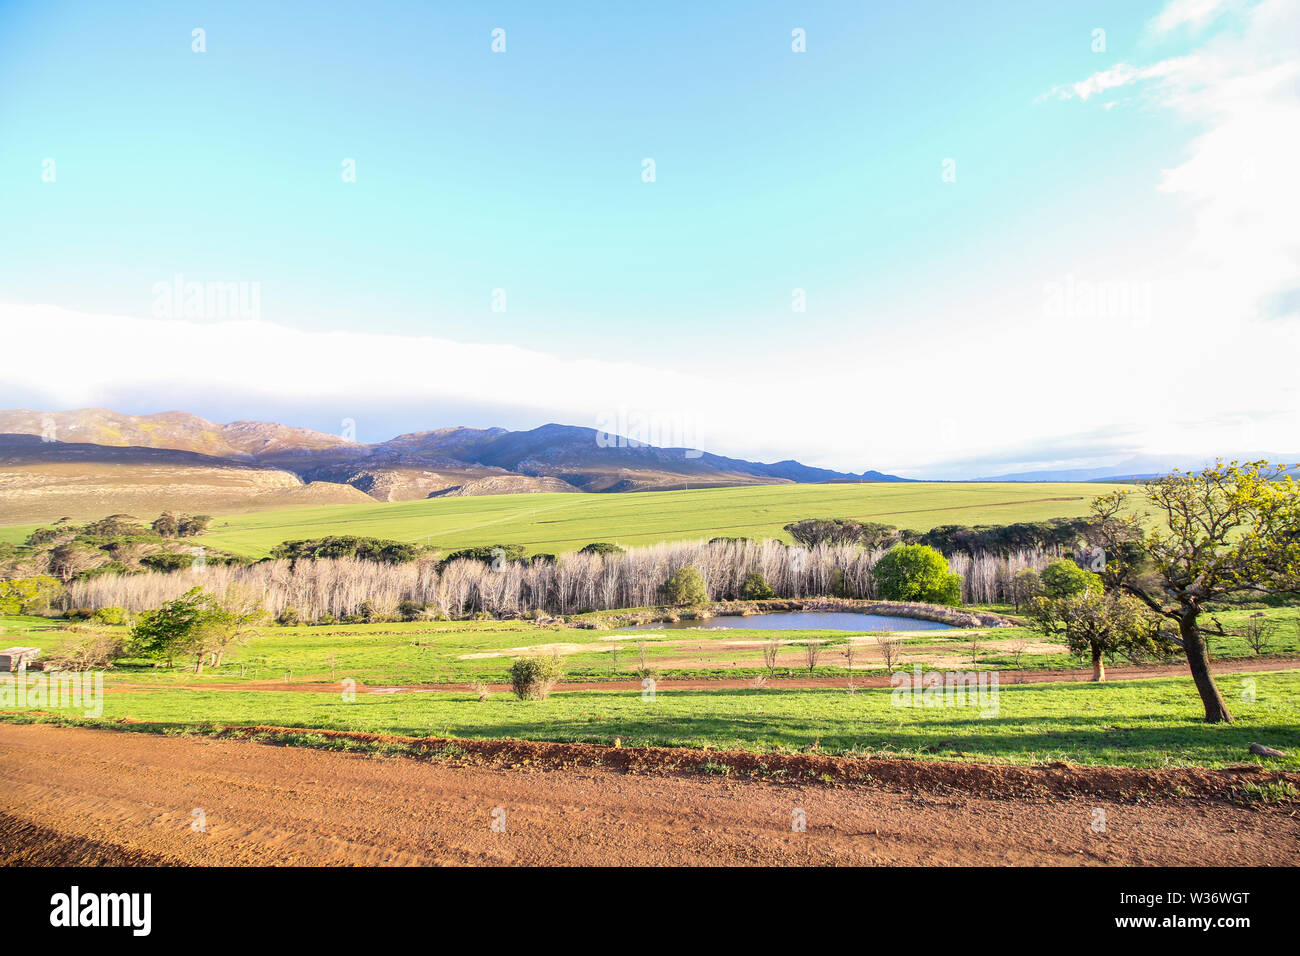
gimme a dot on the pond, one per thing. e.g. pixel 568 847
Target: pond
pixel 805 621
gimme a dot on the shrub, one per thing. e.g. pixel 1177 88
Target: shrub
pixel 1064 578
pixel 533 677
pixel 289 617
pixel 88 648
pixel 840 586
pixel 369 614
pixel 409 610
pixel 916 572
pixel 755 588
pixel 110 615
pixel 686 586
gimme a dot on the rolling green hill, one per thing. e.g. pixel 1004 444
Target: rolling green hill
pixel 565 522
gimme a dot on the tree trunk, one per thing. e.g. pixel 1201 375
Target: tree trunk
pixel 198 664
pixel 1098 665
pixel 1216 710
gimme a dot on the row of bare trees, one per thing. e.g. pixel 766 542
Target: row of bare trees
pixel 576 582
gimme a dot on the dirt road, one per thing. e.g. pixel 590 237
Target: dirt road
pixel 84 796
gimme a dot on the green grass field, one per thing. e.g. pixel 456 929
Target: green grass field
pixel 1148 722
pixel 565 522
pixel 456 652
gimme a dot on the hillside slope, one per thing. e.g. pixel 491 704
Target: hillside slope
pixel 59 449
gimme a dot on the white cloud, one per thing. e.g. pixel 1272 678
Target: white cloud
pixel 1193 13
pixel 1122 74
pixel 999 385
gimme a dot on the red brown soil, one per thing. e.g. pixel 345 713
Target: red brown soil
pixel 1005 677
pixel 77 795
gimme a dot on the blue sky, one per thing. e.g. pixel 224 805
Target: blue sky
pixel 522 171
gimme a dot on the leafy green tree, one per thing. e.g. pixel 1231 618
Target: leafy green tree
pixel 686 586
pixel 755 588
pixel 114 526
pixel 488 554
pixel 197 625
pixel 168 561
pixel 1099 623
pixel 34 595
pixel 916 572
pixel 1025 586
pixel 1227 530
pixel 601 547
pixel 70 560
pixel 350 546
pixel 166 525
pixel 171 630
pixel 814 531
pixel 1064 578
pixel 190 525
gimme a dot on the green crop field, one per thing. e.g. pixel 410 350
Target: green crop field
pixel 564 522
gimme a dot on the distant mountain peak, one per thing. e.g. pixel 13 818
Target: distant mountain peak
pixel 444 460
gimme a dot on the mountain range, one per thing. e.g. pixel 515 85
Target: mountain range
pixel 79 463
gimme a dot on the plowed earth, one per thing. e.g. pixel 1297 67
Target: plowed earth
pixel 72 795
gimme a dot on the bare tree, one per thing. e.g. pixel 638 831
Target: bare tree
pixel 848 663
pixel 770 651
pixel 1258 632
pixel 1018 648
pixel 812 651
pixel 891 649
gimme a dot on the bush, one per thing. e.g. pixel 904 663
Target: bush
pixel 840 586
pixel 88 648
pixel 409 610
pixel 367 613
pixel 1064 578
pixel 755 588
pixel 916 572
pixel 533 677
pixel 288 617
pixel 110 615
pixel 686 586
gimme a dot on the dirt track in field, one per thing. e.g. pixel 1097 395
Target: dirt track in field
pixel 1005 677
pixel 84 796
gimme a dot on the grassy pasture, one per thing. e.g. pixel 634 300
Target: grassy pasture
pixel 1148 722
pixel 454 652
pixel 565 522
pixel 1145 723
